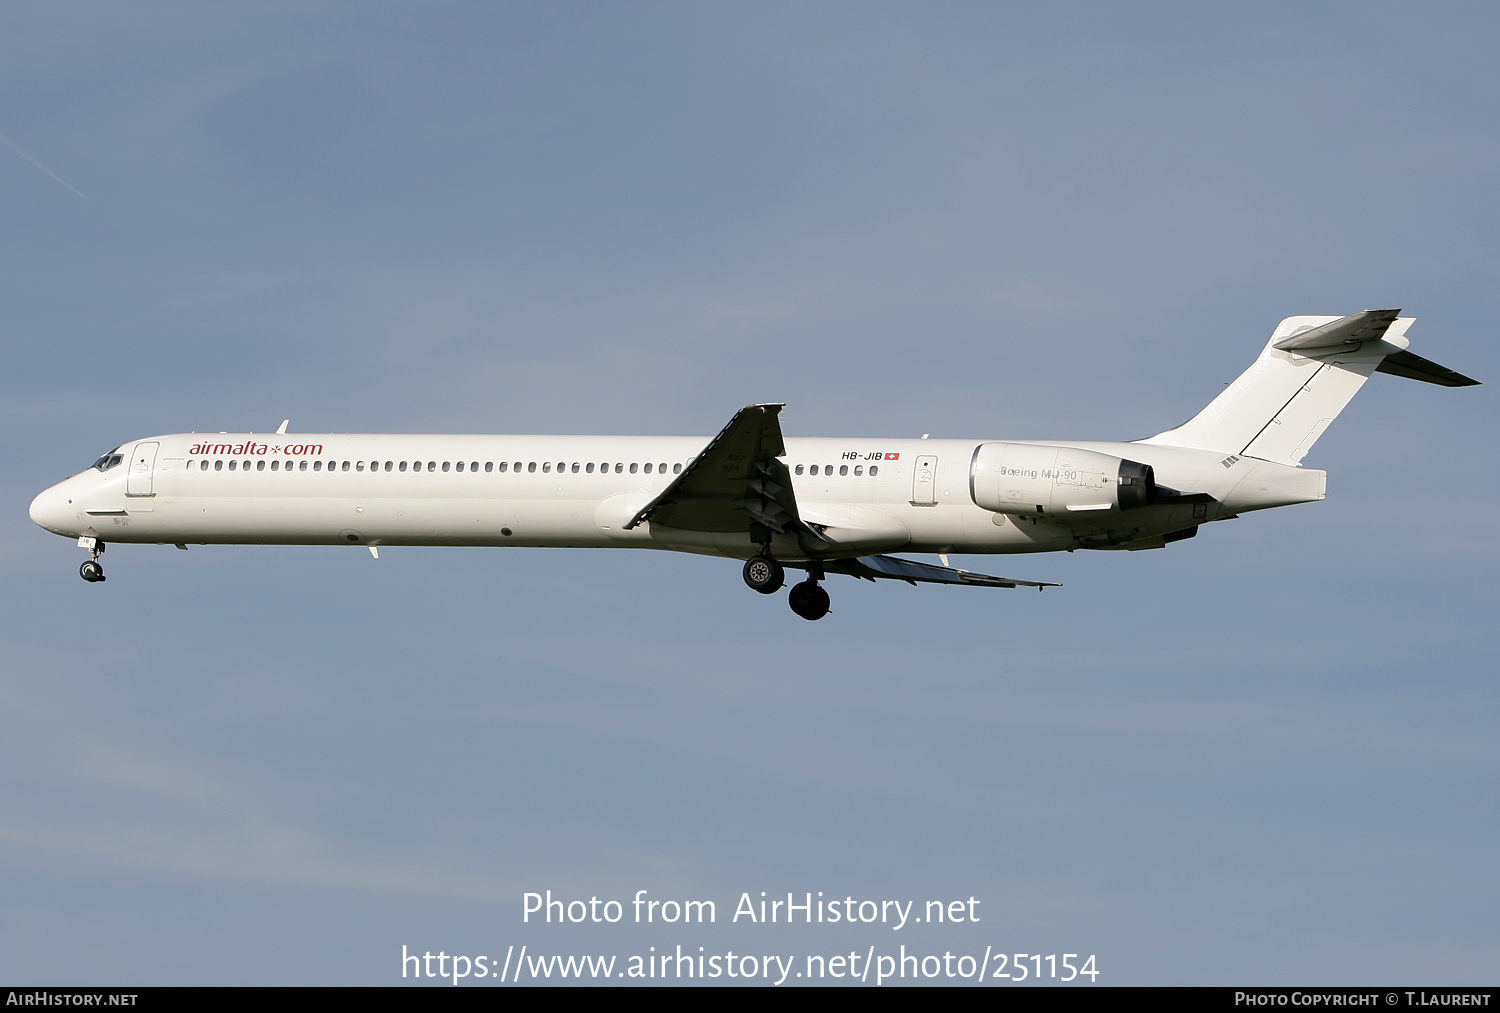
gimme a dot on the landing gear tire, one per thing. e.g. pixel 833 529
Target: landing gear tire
pixel 808 600
pixel 764 574
pixel 91 571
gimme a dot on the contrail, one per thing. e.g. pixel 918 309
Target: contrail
pixel 12 146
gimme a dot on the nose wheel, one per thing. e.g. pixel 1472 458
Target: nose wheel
pixel 91 570
pixel 809 600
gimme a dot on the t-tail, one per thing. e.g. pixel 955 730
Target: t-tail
pixel 1306 374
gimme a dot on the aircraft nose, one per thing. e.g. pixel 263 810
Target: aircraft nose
pixel 42 506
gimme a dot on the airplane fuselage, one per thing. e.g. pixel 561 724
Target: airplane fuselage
pixel 868 495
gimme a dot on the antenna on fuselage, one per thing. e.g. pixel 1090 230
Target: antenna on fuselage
pixel 281 429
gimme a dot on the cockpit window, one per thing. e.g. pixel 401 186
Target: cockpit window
pixel 109 460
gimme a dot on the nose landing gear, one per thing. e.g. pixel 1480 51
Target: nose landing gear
pixel 91 570
pixel 809 600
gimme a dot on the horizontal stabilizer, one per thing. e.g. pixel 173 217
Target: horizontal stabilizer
pixel 1414 367
pixel 1366 325
pixel 893 568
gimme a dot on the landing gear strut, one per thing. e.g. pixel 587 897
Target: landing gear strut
pixel 764 574
pixel 91 571
pixel 808 599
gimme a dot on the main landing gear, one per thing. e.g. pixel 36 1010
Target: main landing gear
pixel 91 570
pixel 764 574
pixel 807 599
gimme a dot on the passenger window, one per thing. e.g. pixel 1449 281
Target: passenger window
pixel 799 469
pixel 562 466
pixel 575 467
pixel 874 470
pixel 489 466
pixel 662 468
pixel 676 469
pixel 302 466
pixel 589 467
pixel 843 469
pixel 460 466
pixel 318 466
pixel 232 464
pixel 546 467
pixel 632 469
pixel 401 466
pixel 473 465
pixel 858 470
pixel 218 466
pixel 260 465
pixel 648 467
pixel 504 465
pixel 374 465
pixel 445 465
pixel 275 465
pixel 619 468
pixel 531 468
pixel 515 467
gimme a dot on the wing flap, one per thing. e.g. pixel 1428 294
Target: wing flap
pixel 913 572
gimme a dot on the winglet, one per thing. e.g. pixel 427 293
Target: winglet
pixel 281 429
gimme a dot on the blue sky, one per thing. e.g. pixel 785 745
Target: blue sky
pixel 1263 755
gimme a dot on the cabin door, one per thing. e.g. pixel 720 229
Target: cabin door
pixel 924 482
pixel 142 464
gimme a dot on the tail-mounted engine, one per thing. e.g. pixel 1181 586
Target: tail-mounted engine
pixel 1024 478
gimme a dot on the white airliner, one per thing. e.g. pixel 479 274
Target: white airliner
pixel 819 505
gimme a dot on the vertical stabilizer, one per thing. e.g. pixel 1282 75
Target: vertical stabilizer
pixel 1308 371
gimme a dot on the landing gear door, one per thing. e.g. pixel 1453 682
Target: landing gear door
pixel 142 464
pixel 924 482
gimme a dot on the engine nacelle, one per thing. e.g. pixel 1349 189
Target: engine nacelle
pixel 1025 478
